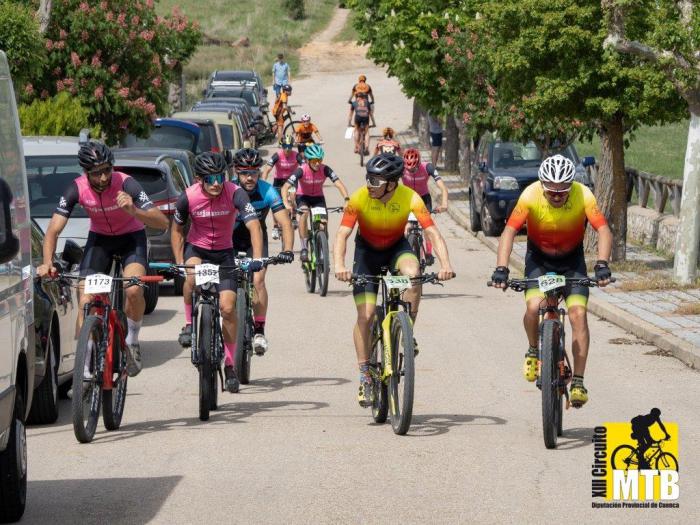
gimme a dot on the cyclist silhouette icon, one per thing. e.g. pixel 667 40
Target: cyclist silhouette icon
pixel 640 432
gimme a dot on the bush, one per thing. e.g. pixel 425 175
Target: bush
pixel 295 8
pixel 21 41
pixel 57 116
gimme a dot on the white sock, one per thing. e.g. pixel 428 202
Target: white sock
pixel 132 338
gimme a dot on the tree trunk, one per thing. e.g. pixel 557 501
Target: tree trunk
pixel 451 144
pixel 611 187
pixel 465 143
pixel 44 15
pixel 415 120
pixel 685 262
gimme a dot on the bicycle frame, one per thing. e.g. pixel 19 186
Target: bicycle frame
pixel 205 294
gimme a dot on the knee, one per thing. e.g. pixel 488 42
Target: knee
pixel 134 293
pixel 578 317
pixel 364 319
pixel 228 310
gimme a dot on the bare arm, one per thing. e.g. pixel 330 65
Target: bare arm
pixel 266 171
pixel 339 249
pixel 605 242
pixel 256 237
pixel 444 193
pixel 341 188
pixel 350 115
pixel 285 222
pixel 153 218
pixel 177 241
pixel 440 246
pixel 505 246
pixel 285 195
pixel 56 225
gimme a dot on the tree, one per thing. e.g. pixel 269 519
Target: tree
pixel 671 47
pixel 21 41
pixel 117 57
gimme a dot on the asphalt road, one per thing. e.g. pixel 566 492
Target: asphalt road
pixel 294 446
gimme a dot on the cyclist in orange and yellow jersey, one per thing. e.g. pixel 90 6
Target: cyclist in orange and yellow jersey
pixel 306 132
pixel 555 210
pixel 388 144
pixel 280 108
pixel 381 209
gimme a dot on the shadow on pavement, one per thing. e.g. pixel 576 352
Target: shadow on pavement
pixel 273 384
pixel 156 353
pixel 339 293
pixel 103 500
pixel 573 438
pixel 426 425
pixel 160 316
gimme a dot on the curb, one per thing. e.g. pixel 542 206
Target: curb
pixel 677 347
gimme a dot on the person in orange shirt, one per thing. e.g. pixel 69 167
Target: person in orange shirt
pixel 306 132
pixel 556 209
pixel 381 210
pixel 388 144
pixel 362 87
pixel 281 108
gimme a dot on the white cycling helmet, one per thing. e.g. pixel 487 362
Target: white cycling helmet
pixel 557 169
pixel 306 117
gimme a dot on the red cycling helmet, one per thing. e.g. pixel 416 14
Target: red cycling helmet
pixel 411 158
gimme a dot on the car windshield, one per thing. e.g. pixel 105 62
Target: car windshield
pixel 47 178
pixel 518 155
pixel 164 137
pixel 151 180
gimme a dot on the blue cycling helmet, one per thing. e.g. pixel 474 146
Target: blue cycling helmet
pixel 314 152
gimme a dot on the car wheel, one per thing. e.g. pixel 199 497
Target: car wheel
pixel 151 294
pixel 491 226
pixel 45 402
pixel 13 466
pixel 474 218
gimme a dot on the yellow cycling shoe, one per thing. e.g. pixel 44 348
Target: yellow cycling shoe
pixel 530 365
pixel 578 395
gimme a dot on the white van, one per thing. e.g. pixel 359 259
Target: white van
pixel 16 307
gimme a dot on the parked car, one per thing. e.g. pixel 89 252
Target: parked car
pixel 163 181
pixel 237 106
pixel 17 333
pixel 183 158
pixel 500 172
pixel 248 95
pixel 238 78
pixel 231 137
pixel 179 134
pixel 56 306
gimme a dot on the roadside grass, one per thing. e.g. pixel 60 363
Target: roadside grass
pixel 265 22
pixel 348 33
pixel 688 309
pixel 659 150
pixel 654 282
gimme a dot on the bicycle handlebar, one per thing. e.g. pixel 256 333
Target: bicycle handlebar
pixel 239 263
pixel 131 281
pixel 428 278
pixel 520 285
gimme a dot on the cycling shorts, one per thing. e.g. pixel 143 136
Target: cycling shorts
pixel 369 261
pixel 361 122
pixel 428 200
pixel 309 201
pixel 99 250
pixel 227 280
pixel 572 265
pixel 244 245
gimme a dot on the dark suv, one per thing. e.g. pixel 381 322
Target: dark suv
pixel 500 172
pixel 173 133
pixel 222 79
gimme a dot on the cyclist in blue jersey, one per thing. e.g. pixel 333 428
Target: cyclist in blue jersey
pixel 264 198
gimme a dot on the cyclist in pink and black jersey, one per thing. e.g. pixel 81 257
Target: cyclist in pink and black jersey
pixel 118 208
pixel 211 206
pixel 285 161
pixel 308 181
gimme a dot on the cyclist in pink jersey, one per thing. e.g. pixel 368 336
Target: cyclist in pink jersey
pixel 285 161
pixel 211 206
pixel 308 181
pixel 118 208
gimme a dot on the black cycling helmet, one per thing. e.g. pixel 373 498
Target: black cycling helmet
pixel 386 165
pixel 93 154
pixel 287 89
pixel 247 158
pixel 209 163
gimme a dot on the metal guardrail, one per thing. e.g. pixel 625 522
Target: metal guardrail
pixel 660 189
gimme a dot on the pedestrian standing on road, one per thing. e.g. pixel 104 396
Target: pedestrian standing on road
pixel 435 130
pixel 280 74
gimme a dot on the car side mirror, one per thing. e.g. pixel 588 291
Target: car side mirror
pixel 9 244
pixel 588 161
pixel 72 253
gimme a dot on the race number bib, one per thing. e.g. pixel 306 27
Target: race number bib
pixel 550 282
pixel 397 282
pixel 98 283
pixel 206 273
pixel 319 212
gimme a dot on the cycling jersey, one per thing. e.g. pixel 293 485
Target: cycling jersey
pixel 106 217
pixel 280 104
pixel 388 146
pixel 556 232
pixel 418 180
pixel 311 182
pixel 212 218
pixel 304 132
pixel 382 224
pixel 264 199
pixel 362 108
pixel 285 164
pixel 361 87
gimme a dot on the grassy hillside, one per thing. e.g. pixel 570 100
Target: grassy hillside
pixel 659 149
pixel 264 22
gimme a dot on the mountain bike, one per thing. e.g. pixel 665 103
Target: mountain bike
pixel 317 268
pixel 393 349
pixel 418 244
pixel 554 369
pixel 626 457
pixel 100 374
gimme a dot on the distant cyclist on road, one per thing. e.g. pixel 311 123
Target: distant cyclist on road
pixel 211 206
pixel 388 144
pixel 264 199
pixel 361 109
pixel 640 431
pixel 556 210
pixel 308 181
pixel 306 132
pixel 362 88
pixel 381 209
pixel 280 109
pixel 118 208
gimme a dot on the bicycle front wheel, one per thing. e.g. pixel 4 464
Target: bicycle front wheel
pixel 380 406
pixel 666 461
pixel 204 345
pixel 244 336
pixel 550 355
pixel 403 373
pixel 310 267
pixel 113 400
pixel 624 458
pixel 87 387
pixel 291 127
pixel 322 262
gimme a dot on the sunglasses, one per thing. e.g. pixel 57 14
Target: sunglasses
pixel 247 173
pixel 214 179
pixel 556 192
pixel 375 182
pixel 100 171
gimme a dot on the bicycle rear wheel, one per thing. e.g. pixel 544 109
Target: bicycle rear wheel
pixel 244 336
pixel 624 458
pixel 401 382
pixel 322 262
pixel 550 355
pixel 87 393
pixel 204 345
pixel 113 400
pixel 380 405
